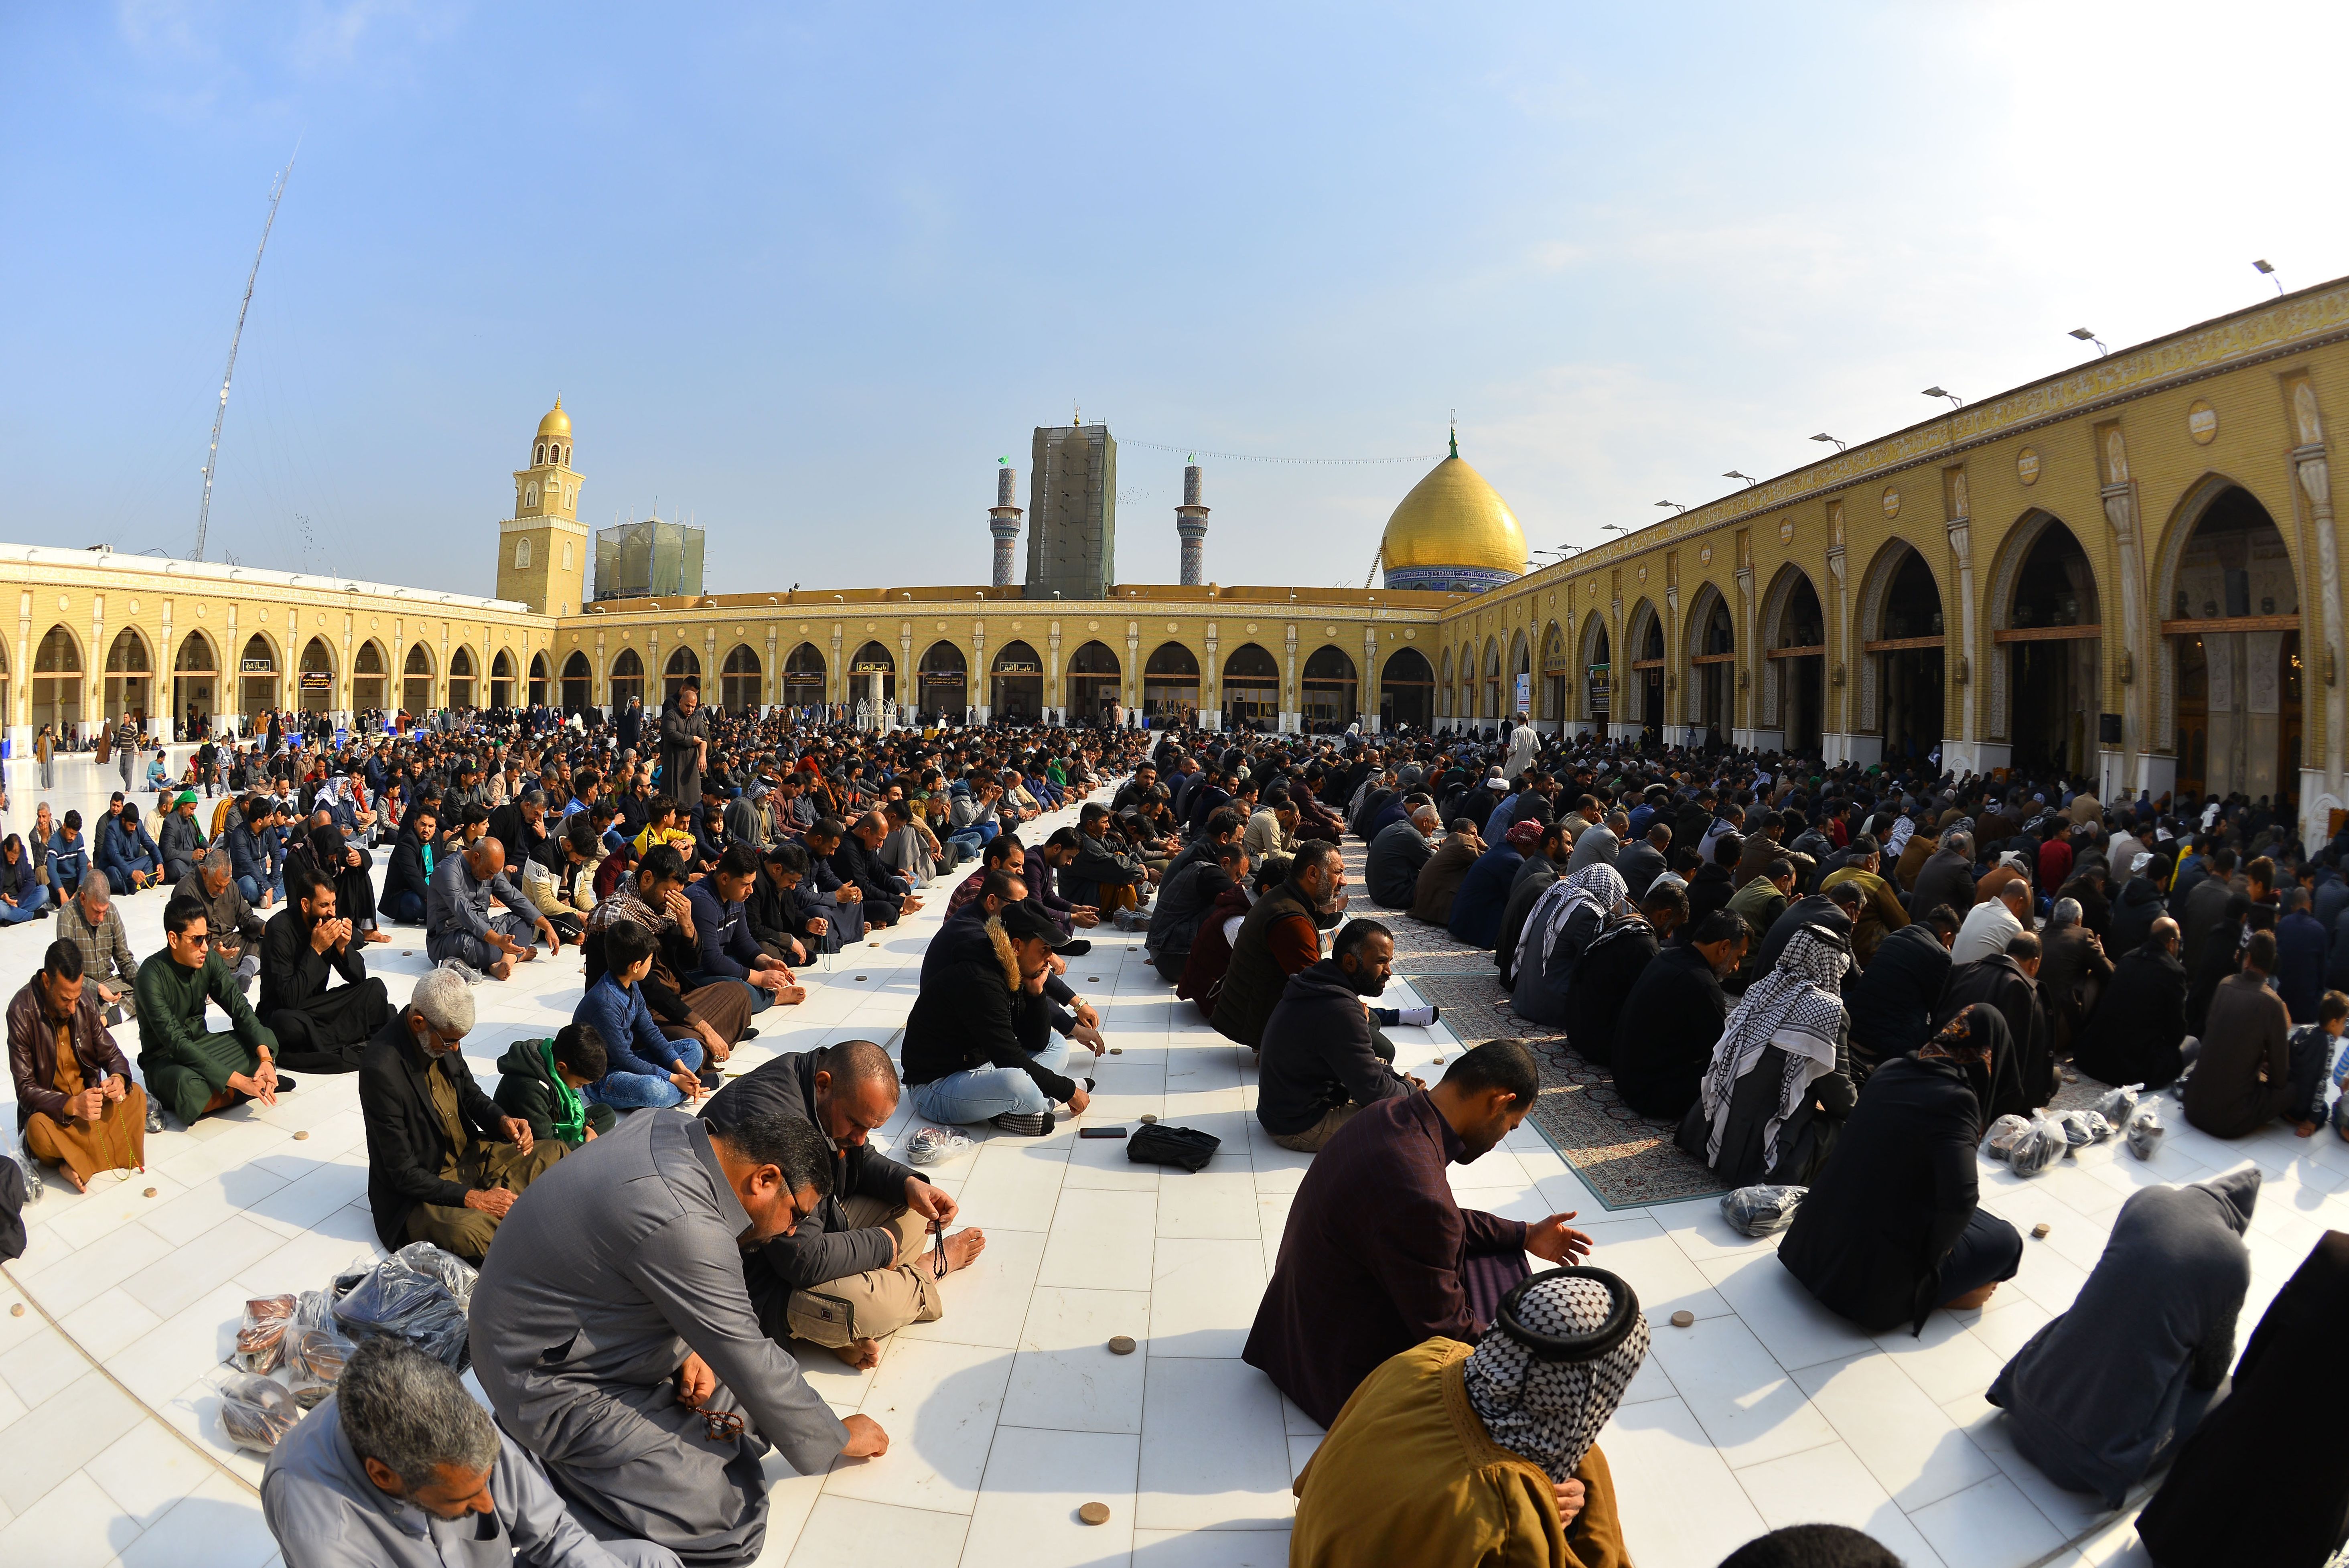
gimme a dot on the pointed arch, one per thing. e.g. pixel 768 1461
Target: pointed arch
pixel 1641 688
pixel 741 680
pixel 683 669
pixel 1327 686
pixel 2046 637
pixel 415 682
pixel 1407 690
pixel 2229 680
pixel 1594 660
pixel 1709 644
pixel 804 677
pixel 1556 674
pixel 536 694
pixel 628 679
pixel 57 681
pixel 1903 658
pixel 578 687
pixel 195 682
pixel 943 683
pixel 1794 657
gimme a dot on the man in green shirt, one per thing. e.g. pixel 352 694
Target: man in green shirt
pixel 1761 901
pixel 191 1072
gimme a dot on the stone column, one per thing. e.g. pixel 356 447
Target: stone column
pixel 2121 769
pixel 1675 670
pixel 1836 746
pixel 2323 673
pixel 1056 711
pixel 836 672
pixel 1291 696
pixel 981 691
pixel 1366 691
pixel 1742 697
pixel 1211 688
pixel 1133 672
pixel 1961 751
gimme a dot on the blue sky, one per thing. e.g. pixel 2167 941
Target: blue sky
pixel 804 273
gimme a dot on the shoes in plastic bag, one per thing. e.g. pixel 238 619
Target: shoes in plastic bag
pixel 2114 1107
pixel 2003 1135
pixel 256 1411
pixel 401 1301
pixel 313 1361
pixel 454 1273
pixel 1761 1210
pixel 937 1145
pixel 2041 1144
pixel 34 1185
pixel 154 1117
pixel 261 1336
pixel 2082 1128
pixel 471 975
pixel 2146 1131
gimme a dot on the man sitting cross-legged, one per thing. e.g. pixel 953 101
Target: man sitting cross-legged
pixel 858 1268
pixel 614 1339
pixel 191 1071
pixel 400 1467
pixel 457 919
pixel 320 1026
pixel 75 1104
pixel 1321 1065
pixel 978 1043
pixel 444 1161
pixel 1378 1255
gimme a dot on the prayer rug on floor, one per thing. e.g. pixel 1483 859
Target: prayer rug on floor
pixel 1626 1160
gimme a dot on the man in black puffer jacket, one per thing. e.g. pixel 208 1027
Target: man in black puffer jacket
pixel 1186 900
pixel 1320 1065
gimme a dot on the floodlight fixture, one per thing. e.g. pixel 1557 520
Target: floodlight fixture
pixel 2084 335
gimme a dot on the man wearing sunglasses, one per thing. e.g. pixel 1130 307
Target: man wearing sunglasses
pixel 191 1071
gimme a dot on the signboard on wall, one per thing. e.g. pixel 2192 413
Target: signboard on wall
pixel 259 667
pixel 1596 679
pixel 1525 693
pixel 317 680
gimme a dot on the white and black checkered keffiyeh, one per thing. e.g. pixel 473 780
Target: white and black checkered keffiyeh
pixel 1799 1007
pixel 1600 888
pixel 1551 1411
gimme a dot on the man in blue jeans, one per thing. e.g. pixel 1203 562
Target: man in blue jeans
pixel 725 949
pixel 643 1067
pixel 978 1043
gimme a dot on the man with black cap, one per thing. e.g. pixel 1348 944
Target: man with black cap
pixel 978 1043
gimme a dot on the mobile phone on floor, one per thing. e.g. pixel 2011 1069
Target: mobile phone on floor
pixel 1100 1133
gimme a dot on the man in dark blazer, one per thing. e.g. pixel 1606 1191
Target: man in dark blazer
pixel 444 1161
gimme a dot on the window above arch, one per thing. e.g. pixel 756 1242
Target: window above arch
pixel 521 555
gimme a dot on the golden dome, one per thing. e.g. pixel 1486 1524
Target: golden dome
pixel 1452 518
pixel 557 423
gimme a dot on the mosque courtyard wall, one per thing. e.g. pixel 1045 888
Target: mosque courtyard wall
pixel 2129 571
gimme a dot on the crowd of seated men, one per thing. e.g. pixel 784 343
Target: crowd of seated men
pixel 1822 976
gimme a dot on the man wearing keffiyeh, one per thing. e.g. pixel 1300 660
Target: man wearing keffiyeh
pixel 1780 1082
pixel 1500 1441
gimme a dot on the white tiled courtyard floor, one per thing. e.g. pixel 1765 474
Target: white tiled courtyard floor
pixel 1010 1412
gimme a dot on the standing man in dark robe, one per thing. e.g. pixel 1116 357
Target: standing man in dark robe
pixel 306 946
pixel 615 1337
pixel 684 748
pixel 1378 1256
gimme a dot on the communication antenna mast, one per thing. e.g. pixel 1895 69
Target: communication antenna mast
pixel 211 453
